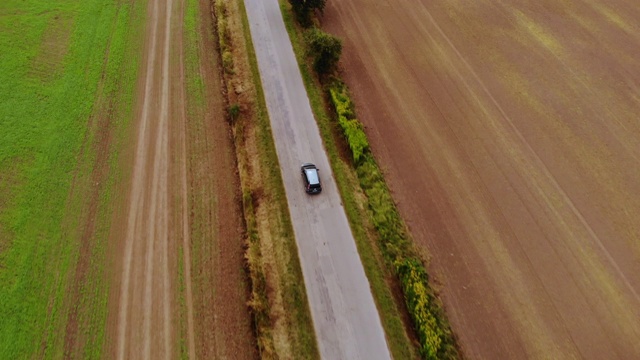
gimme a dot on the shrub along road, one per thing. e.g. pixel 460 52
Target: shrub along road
pixel 509 136
pixel 345 318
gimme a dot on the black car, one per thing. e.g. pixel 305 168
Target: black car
pixel 311 178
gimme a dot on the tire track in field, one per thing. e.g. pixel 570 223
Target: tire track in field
pixel 136 203
pixel 144 312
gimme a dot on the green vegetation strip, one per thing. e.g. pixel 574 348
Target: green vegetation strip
pixel 195 83
pixel 436 340
pixel 57 58
pixel 429 322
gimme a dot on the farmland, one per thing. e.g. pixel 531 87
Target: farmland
pixel 136 220
pixel 142 211
pixel 74 90
pixel 507 132
pixel 64 80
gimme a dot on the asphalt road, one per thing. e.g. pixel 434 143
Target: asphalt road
pixel 344 315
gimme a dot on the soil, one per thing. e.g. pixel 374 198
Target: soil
pixel 508 134
pixel 223 328
pixel 177 240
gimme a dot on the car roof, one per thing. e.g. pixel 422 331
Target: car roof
pixel 312 175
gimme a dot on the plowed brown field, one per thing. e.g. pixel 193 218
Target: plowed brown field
pixel 510 137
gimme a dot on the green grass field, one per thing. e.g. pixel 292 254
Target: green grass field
pixel 61 63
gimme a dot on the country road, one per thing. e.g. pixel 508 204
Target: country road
pixel 345 317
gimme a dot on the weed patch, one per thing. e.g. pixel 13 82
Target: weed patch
pixel 224 36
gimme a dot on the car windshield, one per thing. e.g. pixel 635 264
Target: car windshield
pixel 312 175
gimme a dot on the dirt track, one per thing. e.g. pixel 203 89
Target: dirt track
pixel 510 138
pixel 146 304
pixel 179 287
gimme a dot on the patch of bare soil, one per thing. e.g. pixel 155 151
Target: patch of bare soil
pixel 509 136
pixel 223 326
pixel 53 48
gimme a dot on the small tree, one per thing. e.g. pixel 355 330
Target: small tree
pixel 325 49
pixel 304 8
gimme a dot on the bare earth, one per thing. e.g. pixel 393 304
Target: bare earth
pixel 509 133
pixel 178 286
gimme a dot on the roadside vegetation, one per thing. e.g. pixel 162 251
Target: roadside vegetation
pixel 375 212
pixel 279 306
pixel 323 49
pixel 67 74
pixel 304 10
pixel 434 333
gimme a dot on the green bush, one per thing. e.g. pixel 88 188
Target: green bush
pixel 434 336
pixel 221 9
pixel 223 31
pixel 234 112
pixel 356 138
pixel 341 101
pixel 324 49
pixel 351 127
pixel 303 9
pixel 369 174
pixel 227 62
